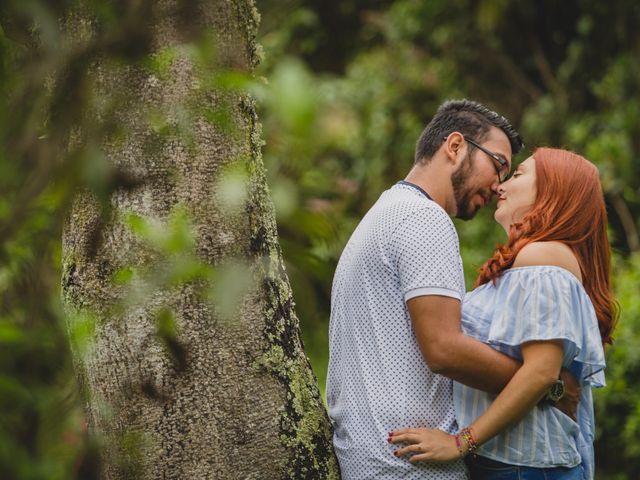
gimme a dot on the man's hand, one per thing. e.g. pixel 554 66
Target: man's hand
pixel 568 404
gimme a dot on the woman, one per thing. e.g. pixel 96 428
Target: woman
pixel 545 298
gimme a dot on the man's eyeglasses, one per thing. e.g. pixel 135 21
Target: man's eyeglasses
pixel 503 170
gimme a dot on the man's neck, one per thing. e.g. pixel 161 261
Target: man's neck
pixel 436 183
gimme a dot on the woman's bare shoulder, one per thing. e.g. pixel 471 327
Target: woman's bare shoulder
pixel 556 254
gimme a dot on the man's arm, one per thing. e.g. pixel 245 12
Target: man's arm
pixel 449 352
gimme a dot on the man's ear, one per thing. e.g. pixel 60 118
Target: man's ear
pixel 453 145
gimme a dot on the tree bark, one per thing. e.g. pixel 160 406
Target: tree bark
pixel 226 398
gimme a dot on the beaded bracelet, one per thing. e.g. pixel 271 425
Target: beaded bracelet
pixel 467 435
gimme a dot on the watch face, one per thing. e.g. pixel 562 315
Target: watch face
pixel 556 392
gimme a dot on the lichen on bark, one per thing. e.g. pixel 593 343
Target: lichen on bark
pixel 305 426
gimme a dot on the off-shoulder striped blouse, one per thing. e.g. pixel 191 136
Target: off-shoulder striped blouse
pixel 526 304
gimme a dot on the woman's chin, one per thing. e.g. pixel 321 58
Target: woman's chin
pixel 500 220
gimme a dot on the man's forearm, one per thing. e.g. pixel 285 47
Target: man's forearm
pixel 473 363
pixel 436 323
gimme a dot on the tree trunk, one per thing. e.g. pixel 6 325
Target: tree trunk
pixel 223 398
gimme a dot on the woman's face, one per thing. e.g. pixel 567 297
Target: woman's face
pixel 517 195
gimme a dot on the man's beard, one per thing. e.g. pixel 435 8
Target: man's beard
pixel 461 192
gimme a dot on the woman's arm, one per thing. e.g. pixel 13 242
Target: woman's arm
pixel 541 367
pixel 542 363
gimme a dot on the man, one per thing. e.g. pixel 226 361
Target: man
pixel 396 299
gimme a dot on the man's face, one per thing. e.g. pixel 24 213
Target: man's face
pixel 477 179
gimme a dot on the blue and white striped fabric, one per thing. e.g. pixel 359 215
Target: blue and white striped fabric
pixel 526 304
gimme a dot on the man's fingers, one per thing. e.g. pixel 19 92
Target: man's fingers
pixel 568 407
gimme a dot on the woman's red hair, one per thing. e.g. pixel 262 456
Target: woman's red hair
pixel 569 208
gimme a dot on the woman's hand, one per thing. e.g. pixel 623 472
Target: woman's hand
pixel 426 445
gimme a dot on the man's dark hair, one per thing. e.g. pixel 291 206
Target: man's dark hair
pixel 471 119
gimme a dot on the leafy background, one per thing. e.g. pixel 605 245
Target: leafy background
pixel 344 89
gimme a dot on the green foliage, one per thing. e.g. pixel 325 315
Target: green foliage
pixel 618 405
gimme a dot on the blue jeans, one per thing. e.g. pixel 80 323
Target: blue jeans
pixel 482 468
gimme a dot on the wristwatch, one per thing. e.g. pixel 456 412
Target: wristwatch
pixel 556 392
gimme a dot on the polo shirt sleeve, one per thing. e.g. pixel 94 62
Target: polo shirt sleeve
pixel 425 254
